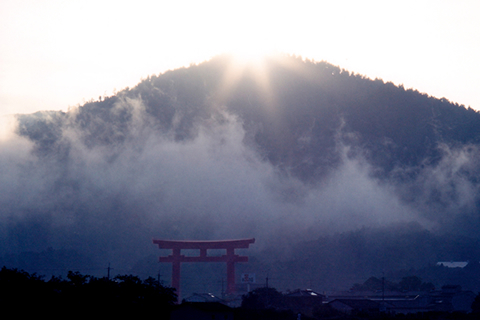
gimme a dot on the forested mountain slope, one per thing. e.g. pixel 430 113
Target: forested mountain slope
pixel 280 150
pixel 296 120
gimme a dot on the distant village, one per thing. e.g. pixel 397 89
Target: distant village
pixel 376 298
pixel 326 305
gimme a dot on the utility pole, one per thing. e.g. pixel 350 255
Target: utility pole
pixel 383 287
pixel 383 307
pixel 223 291
pixel 108 271
pixel 266 286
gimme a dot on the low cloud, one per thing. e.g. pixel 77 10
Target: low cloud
pixel 109 201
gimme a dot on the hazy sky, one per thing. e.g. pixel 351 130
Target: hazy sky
pixel 55 54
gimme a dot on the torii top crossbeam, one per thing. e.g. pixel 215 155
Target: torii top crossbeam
pixel 204 244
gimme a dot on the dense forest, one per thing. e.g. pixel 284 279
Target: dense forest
pixel 27 294
pixel 337 175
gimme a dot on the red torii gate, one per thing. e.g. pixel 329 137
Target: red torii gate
pixel 176 258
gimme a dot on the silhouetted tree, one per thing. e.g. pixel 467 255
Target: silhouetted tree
pixel 84 294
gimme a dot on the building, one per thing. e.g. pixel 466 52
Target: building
pixel 351 306
pixel 303 301
pixel 202 311
pixel 449 299
pixel 203 297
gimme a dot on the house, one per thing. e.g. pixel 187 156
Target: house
pixel 203 297
pixel 404 305
pixel 452 298
pixel 202 311
pixel 449 299
pixel 349 306
pixel 303 301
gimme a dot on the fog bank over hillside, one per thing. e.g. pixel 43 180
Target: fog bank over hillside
pixel 190 155
pixel 210 187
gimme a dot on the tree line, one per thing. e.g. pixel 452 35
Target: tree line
pixel 78 294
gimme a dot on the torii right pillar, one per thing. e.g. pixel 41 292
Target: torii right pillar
pixel 176 258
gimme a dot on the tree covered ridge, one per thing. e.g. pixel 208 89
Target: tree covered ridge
pixel 315 105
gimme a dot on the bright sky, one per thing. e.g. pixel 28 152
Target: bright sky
pixel 55 54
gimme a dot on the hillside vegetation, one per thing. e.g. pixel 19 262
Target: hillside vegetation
pixel 296 153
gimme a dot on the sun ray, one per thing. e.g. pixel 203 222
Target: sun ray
pixel 248 67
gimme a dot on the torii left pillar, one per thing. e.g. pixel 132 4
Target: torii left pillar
pixel 230 258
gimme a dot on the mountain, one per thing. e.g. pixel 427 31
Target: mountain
pixel 295 123
pixel 293 152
